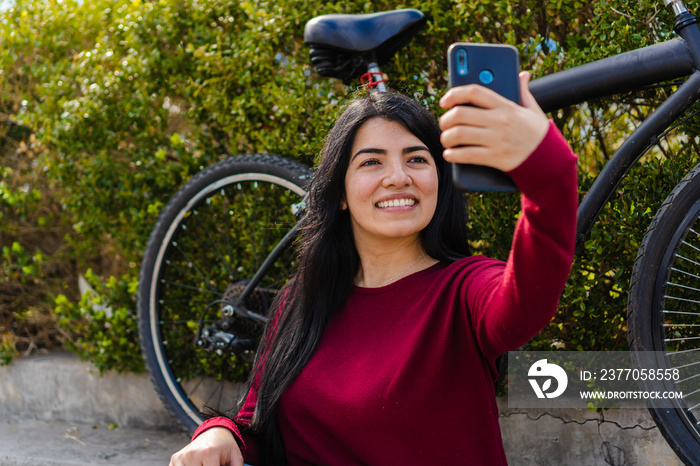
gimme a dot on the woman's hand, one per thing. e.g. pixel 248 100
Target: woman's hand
pixel 493 131
pixel 213 447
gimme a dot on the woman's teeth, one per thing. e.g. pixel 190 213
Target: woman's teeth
pixel 396 203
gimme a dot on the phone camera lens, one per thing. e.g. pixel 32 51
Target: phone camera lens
pixel 486 77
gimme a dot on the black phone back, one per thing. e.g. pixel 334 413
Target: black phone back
pixel 496 67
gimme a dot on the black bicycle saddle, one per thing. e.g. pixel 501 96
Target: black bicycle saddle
pixel 339 42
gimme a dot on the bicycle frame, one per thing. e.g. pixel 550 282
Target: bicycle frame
pixel 622 73
pixel 284 244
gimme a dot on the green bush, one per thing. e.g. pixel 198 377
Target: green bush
pixel 35 263
pixel 126 100
pixel 105 335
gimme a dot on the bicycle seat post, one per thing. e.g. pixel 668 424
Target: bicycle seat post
pixel 374 77
pixel 677 6
pixel 686 26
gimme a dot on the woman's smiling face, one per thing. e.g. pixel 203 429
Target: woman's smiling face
pixel 391 184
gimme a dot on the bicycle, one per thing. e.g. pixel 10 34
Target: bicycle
pixel 204 294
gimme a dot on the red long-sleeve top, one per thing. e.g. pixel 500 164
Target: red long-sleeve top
pixel 404 374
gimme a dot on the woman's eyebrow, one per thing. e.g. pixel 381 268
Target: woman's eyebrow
pixel 369 150
pixel 373 150
pixel 408 150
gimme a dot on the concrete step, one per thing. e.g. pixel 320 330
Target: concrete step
pixel 57 411
pixel 58 386
pixel 558 436
pixel 29 442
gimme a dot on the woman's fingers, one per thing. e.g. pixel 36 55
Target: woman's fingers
pixel 503 148
pixel 475 155
pixel 472 94
pixel 213 447
pixel 494 131
pixel 465 135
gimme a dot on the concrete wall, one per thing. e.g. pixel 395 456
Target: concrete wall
pixel 580 437
pixel 58 387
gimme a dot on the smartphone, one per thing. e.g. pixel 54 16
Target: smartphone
pixel 496 67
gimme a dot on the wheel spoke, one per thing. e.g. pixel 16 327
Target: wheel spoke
pixel 674 353
pixel 686 259
pixel 688 244
pixel 185 272
pixel 226 213
pixel 254 242
pixel 684 272
pixel 682 299
pixel 683 286
pixel 685 365
pixel 189 287
pixel 665 311
pixel 194 389
pixel 682 339
pixel 201 274
pixel 182 322
pixel 214 244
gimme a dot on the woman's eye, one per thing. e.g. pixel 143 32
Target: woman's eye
pixel 369 162
pixel 419 159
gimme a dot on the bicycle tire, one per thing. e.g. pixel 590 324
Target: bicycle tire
pixel 207 243
pixel 661 315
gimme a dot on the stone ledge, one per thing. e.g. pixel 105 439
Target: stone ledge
pixel 59 388
pixel 580 437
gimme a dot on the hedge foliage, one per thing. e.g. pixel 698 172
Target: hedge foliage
pixel 107 107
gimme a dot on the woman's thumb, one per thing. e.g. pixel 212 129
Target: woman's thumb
pixel 526 98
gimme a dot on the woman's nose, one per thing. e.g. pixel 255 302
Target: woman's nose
pixel 396 174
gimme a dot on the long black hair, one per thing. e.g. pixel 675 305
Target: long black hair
pixel 328 259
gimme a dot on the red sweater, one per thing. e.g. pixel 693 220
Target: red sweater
pixel 404 374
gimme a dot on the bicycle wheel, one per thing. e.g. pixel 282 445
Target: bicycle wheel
pixel 664 312
pixel 208 243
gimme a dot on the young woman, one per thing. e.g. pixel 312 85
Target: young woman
pixel 383 348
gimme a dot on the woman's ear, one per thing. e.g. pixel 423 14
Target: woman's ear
pixel 343 204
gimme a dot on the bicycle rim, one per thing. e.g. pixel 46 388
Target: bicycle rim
pixel 211 240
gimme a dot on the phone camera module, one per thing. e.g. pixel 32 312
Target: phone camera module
pixel 462 66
